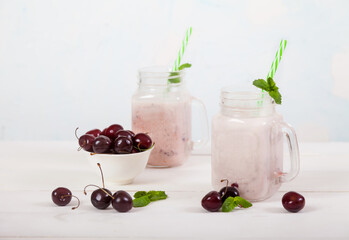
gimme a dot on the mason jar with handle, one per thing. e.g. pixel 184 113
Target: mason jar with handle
pixel 162 107
pixel 247 145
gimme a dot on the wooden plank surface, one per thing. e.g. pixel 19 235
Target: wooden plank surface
pixel 31 170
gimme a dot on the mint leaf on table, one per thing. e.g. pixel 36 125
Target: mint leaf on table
pixel 242 202
pixel 232 202
pixel 181 67
pixel 229 204
pixel 270 87
pixel 156 195
pixel 143 198
pixel 140 194
pixel 141 201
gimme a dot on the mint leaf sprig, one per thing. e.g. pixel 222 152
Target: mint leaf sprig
pixel 232 202
pixel 181 67
pixel 270 87
pixel 143 198
pixel 184 65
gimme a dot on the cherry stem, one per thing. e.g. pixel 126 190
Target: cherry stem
pixel 141 149
pixel 76 135
pixel 92 185
pixel 138 148
pixel 79 148
pixel 100 168
pixel 73 208
pixel 226 187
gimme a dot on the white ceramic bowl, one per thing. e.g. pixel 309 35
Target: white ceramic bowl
pixel 120 168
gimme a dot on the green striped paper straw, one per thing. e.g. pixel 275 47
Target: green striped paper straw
pixel 277 60
pixel 181 50
pixel 274 65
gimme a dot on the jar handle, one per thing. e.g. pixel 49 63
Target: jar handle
pixel 203 124
pixel 292 143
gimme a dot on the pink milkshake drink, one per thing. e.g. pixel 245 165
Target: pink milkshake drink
pixel 247 145
pixel 162 107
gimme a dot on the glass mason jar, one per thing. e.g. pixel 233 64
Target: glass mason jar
pixel 247 145
pixel 162 107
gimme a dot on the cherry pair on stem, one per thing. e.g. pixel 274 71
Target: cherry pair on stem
pixel 102 197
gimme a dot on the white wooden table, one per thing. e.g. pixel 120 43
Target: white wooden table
pixel 29 171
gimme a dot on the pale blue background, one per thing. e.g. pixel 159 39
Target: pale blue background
pixel 74 63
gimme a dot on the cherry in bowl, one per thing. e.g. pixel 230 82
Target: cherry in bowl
pixel 142 141
pixel 111 131
pixel 101 144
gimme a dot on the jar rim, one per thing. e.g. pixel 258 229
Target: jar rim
pixel 159 76
pixel 245 100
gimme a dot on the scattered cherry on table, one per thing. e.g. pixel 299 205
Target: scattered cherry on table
pixel 227 191
pixel 212 201
pixel 293 201
pixel 62 196
pixel 100 198
pixel 122 201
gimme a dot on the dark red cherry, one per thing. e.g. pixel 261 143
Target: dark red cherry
pixel 122 201
pixel 94 132
pixel 226 192
pixel 132 133
pixel 61 196
pixel 100 199
pixel 142 141
pixel 293 202
pixel 86 141
pixel 123 145
pixel 134 150
pixel 124 133
pixel 212 201
pixel 101 144
pixel 103 132
pixel 111 131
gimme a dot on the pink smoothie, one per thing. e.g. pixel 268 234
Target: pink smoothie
pixel 169 125
pixel 248 151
